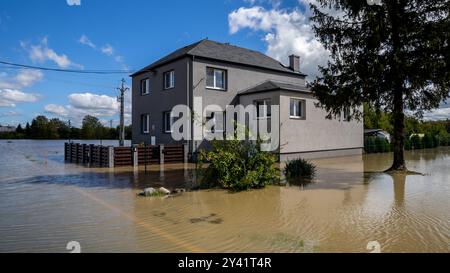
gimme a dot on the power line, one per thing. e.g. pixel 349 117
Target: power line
pixel 103 72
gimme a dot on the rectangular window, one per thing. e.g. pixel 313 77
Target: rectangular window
pixel 218 119
pixel 297 108
pixel 263 108
pixel 216 78
pixel 169 79
pixel 145 123
pixel 145 87
pixel 168 122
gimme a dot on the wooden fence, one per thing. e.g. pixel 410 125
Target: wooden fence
pixel 108 156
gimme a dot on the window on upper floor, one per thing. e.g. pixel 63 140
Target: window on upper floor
pixel 145 86
pixel 263 108
pixel 297 108
pixel 216 78
pixel 145 123
pixel 169 79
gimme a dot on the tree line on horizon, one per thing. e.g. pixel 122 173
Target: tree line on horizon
pixel 377 119
pixel 43 128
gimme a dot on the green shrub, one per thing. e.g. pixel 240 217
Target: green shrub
pixel 237 166
pixel 299 168
pixel 382 145
pixel 428 141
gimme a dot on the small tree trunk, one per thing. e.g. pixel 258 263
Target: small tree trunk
pixel 399 130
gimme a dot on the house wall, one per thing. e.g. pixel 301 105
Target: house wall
pixel 158 101
pixel 239 78
pixel 315 136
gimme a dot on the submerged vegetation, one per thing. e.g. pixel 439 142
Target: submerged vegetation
pixel 237 166
pixel 299 168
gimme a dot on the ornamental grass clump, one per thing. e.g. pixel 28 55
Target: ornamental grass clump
pixel 299 168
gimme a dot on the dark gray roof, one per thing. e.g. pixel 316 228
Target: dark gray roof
pixel 222 52
pixel 271 85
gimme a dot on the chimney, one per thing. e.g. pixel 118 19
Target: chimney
pixel 294 63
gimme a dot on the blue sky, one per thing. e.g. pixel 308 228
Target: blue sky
pixel 127 35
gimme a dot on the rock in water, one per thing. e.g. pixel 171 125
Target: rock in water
pixel 164 191
pixel 149 192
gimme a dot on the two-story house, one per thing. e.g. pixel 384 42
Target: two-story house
pixel 224 74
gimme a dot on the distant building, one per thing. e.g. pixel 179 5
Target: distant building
pixel 7 129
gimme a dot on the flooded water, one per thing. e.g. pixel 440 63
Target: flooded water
pixel 45 203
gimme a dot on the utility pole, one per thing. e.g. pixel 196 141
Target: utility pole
pixel 121 99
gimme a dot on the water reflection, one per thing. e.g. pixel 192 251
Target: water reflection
pixel 45 203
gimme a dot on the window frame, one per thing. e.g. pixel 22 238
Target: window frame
pixel 147 84
pixel 266 112
pixel 145 118
pixel 165 122
pixel 212 116
pixel 225 79
pixel 302 111
pixel 172 79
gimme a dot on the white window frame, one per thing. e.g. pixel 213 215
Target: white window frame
pixel 302 108
pixel 215 87
pixel 145 118
pixel 171 74
pixel 209 118
pixel 147 85
pixel 267 102
pixel 170 130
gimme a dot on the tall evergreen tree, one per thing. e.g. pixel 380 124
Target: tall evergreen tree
pixel 394 56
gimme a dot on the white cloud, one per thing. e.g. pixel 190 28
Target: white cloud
pixel 82 104
pixel 274 3
pixel 42 53
pixel 73 2
pixel 9 114
pixel 285 32
pixel 10 97
pixel 93 101
pixel 57 110
pixel 24 78
pixel 86 41
pixel 437 114
pixel 10 85
pixel 108 50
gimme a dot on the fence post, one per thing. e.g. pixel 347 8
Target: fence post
pixel 90 154
pixel 66 145
pixel 134 151
pixel 111 157
pixel 82 153
pixel 70 151
pixel 77 152
pixel 161 154
pixel 186 152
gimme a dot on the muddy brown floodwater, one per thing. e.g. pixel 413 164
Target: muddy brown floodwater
pixel 45 203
